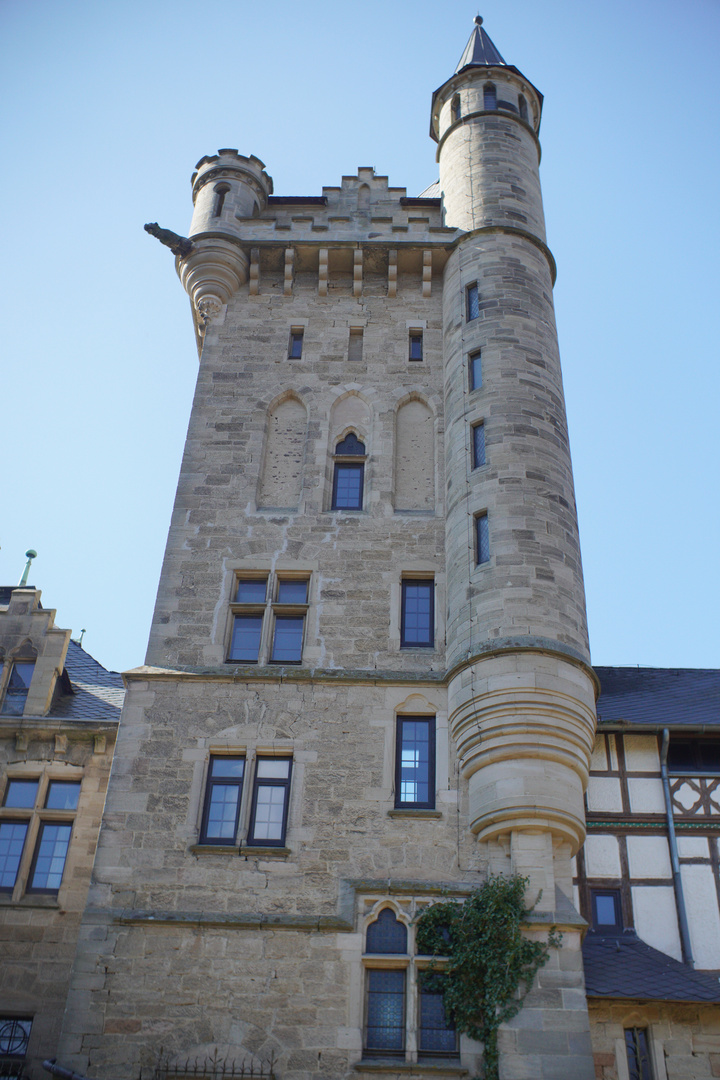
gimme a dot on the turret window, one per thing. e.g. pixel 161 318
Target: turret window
pixel 456 108
pixel 522 105
pixel 472 302
pixel 482 539
pixel 475 370
pixel 416 345
pixel 478 445
pixel 221 191
pixel 489 96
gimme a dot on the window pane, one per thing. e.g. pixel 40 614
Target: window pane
pixel 17 688
pixel 350 445
pixel 12 839
pixel 292 592
pixel 475 371
pixel 415 754
pixel 355 345
pixel 21 793
pixel 223 811
pixel 14 1036
pixel 287 644
pixel 251 591
pixel 273 768
pixel 416 346
pixel 417 613
pixel 227 767
pixel 348 485
pixel 386 935
pixel 245 644
pixel 478 445
pixel 473 302
pixel 638 1054
pixel 490 97
pixel 607 910
pixel 51 855
pixel 386 1010
pixel 437 1034
pixel 482 539
pixel 296 341
pixel 269 812
pixel 63 795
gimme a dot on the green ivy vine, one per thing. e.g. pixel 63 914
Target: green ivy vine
pixel 488 959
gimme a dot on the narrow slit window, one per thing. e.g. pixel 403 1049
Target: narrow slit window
pixel 456 108
pixel 221 191
pixel 348 476
pixel 489 96
pixel 296 344
pixel 416 345
pixel 638 1054
pixel 355 345
pixel 482 540
pixel 472 302
pixel 522 105
pixel 478 445
pixel 385 1028
pixel 436 1033
pixel 475 371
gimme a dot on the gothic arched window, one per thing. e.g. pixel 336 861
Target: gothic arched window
pixel 349 474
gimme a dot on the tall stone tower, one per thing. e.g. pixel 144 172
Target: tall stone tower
pixel 367 683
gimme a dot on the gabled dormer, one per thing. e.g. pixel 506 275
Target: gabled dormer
pixel 32 653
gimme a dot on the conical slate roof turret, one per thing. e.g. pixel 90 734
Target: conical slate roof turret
pixel 479 51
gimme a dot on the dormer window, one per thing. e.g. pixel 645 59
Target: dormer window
pixel 17 686
pixel 489 96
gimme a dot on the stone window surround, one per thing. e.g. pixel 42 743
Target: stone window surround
pixel 251 755
pixel 35 818
pixel 430 803
pixel 637 1018
pixel 268 610
pixel 423 569
pixel 406 911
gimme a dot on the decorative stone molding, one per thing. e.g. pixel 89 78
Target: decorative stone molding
pixel 212 273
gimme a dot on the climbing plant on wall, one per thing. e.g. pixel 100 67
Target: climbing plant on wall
pixel 490 964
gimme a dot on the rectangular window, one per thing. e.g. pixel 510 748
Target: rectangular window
pixel 246 635
pixel 221 812
pixel 287 640
pixel 385 1027
pixel 17 688
pixel 694 756
pixel 292 591
pixel 12 842
pixel 482 539
pixel 63 795
pixel 415 762
pixel 21 794
pixel 436 1034
pixel 355 345
pixel 472 302
pixel 606 911
pixel 416 345
pixel 296 344
pixel 475 371
pixel 251 591
pixel 638 1054
pixel 478 445
pixel 417 617
pixel 50 855
pixel 348 487
pixel 271 798
pixel 14 1038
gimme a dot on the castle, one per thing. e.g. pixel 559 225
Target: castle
pixel 368 682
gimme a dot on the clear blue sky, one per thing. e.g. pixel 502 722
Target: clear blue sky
pixel 109 104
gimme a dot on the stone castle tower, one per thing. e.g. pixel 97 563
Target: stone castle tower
pixel 367 683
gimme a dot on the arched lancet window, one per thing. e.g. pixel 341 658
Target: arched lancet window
pixel 456 108
pixel 387 934
pixel 522 105
pixel 489 96
pixel 348 476
pixel 221 191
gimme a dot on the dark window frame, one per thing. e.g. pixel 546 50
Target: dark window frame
pixel 456 108
pixel 8 1031
pixel 490 97
pixel 698 754
pixel 296 342
pixel 428 582
pixel 405 804
pixel 607 929
pixel 479 457
pixel 415 346
pixel 26 823
pixel 251 841
pixel 348 467
pixel 639 1056
pixel 44 824
pixel 248 610
pixel 212 782
pixel 400 1027
pixel 432 988
pixel 356 342
pixel 475 370
pixel 10 693
pixel 482 539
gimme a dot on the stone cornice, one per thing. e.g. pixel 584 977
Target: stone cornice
pixel 512 230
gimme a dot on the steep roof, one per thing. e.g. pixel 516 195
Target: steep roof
pixel 661 696
pixel 479 51
pixel 97 694
pixel 626 967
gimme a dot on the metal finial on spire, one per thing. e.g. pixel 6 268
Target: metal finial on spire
pixel 82 635
pixel 478 20
pixel 30 554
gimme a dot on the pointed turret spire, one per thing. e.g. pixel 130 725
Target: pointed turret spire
pixel 479 51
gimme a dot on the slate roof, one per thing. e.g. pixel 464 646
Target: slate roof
pixel 662 696
pixel 626 967
pixel 479 51
pixel 97 693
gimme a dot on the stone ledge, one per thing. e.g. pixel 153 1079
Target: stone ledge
pixel 234 921
pixel 214 849
pixel 431 1068
pixel 414 812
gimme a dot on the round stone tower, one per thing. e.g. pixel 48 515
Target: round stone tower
pixel 521 689
pixel 227 188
